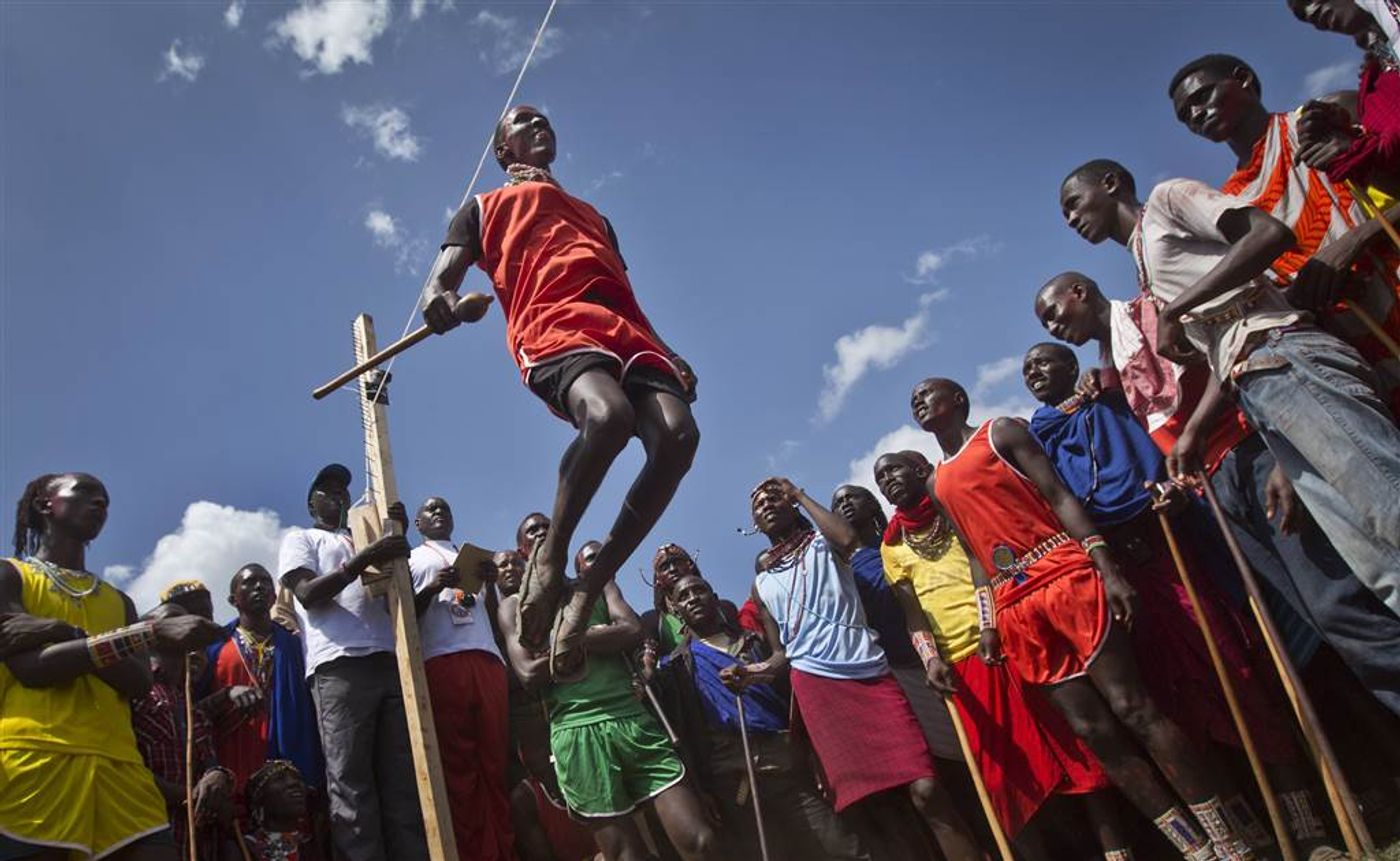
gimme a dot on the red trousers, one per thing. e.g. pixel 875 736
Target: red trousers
pixel 468 690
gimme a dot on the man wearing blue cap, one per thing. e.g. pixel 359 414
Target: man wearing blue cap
pixel 354 677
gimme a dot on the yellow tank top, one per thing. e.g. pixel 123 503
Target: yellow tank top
pixel 945 591
pixel 85 716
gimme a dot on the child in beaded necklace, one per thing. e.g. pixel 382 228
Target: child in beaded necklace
pixel 276 800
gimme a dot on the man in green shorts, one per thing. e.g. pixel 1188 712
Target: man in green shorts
pixel 609 752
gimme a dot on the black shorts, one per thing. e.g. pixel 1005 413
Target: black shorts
pixel 552 379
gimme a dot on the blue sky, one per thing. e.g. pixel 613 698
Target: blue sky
pixel 194 212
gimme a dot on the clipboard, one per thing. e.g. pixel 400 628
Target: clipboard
pixel 469 558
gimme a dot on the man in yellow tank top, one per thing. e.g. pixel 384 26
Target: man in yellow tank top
pixel 72 784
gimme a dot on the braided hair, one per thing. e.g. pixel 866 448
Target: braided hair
pixel 29 524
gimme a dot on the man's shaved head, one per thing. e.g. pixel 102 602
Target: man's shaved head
pixel 1220 66
pixel 1093 173
pixel 1072 308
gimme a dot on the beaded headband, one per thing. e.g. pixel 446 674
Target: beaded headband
pixel 182 587
pixel 257 784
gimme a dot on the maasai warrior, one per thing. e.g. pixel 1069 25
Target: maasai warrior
pixel 277 803
pixel 467 681
pixel 1063 611
pixel 610 754
pixel 540 819
pixel 158 719
pixel 885 615
pixel 192 596
pixel 859 722
pixel 531 531
pixel 1025 754
pixel 1218 97
pixel 585 348
pixel 664 624
pixel 354 678
pixel 1202 255
pixel 801 824
pixel 1311 591
pixel 258 687
pixel 1107 460
pixel 74 781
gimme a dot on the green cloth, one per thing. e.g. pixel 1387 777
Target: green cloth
pixel 669 633
pixel 604 693
pixel 608 767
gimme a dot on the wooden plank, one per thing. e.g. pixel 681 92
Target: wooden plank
pixel 422 735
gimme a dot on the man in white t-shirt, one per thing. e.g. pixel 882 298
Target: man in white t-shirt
pixel 354 678
pixel 1202 256
pixel 467 681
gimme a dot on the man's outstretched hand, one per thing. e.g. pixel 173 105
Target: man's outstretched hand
pixel 446 310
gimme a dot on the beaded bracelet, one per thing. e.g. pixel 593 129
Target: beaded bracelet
pixel 986 608
pixel 116 646
pixel 1093 542
pixel 924 645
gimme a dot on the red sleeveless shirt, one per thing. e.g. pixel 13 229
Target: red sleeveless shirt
pixel 561 284
pixel 1002 517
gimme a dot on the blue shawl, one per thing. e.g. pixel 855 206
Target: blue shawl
pixel 1103 454
pixel 882 608
pixel 764 710
pixel 291 731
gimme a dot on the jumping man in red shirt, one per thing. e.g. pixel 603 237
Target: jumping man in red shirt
pixel 585 348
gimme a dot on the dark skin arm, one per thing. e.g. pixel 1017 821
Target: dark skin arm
pixel 1256 240
pixel 940 675
pixel 740 676
pixel 840 536
pixel 989 640
pixel 58 663
pixel 1185 459
pixel 1021 449
pixel 532 670
pixel 443 309
pixel 445 578
pixel 312 589
pixel 622 634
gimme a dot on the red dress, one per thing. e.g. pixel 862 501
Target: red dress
pixel 561 284
pixel 241 741
pixel 1051 609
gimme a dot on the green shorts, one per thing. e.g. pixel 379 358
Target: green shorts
pixel 609 767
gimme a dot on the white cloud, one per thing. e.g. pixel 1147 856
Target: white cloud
pixel 384 229
pixel 993 374
pixel 211 543
pixel 387 127
pixel 233 15
pixel 1016 406
pixel 510 42
pixel 185 66
pixel 606 179
pixel 388 233
pixel 328 33
pixel 416 8
pixel 929 262
pixel 1338 76
pixel 875 346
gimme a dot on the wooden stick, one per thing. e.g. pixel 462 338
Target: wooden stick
pixel 189 756
pixel 1373 326
pixel 1339 795
pixel 655 704
pixel 242 844
pixel 753 784
pixel 1261 777
pixel 1372 213
pixel 993 822
pixel 374 361
pixel 1367 320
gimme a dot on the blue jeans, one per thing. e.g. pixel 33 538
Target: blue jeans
pixel 1307 585
pixel 1320 415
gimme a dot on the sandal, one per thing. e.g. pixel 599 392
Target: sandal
pixel 568 661
pixel 533 601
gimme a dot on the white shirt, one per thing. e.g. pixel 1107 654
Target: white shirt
pixel 1177 243
pixel 352 624
pixel 448 625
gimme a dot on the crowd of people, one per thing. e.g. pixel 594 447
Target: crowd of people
pixel 1072 632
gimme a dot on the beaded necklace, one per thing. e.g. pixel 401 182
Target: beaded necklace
pixel 932 544
pixel 791 554
pixel 262 650
pixel 62 578
pixel 519 173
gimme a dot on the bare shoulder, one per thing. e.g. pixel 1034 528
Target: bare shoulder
pixel 11 587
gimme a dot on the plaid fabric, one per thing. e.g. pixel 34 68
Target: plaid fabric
pixel 159 721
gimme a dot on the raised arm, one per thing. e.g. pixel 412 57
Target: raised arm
pixel 1029 458
pixel 840 535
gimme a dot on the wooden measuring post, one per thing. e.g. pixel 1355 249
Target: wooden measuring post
pixel 367 524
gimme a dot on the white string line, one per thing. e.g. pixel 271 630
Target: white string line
pixel 471 185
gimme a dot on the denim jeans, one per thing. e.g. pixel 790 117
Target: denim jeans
pixel 1307 585
pixel 1321 416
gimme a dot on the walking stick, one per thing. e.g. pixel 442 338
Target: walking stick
pixel 1339 795
pixel 242 844
pixel 1361 313
pixel 655 703
pixel 993 822
pixel 753 784
pixel 1266 789
pixel 189 755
